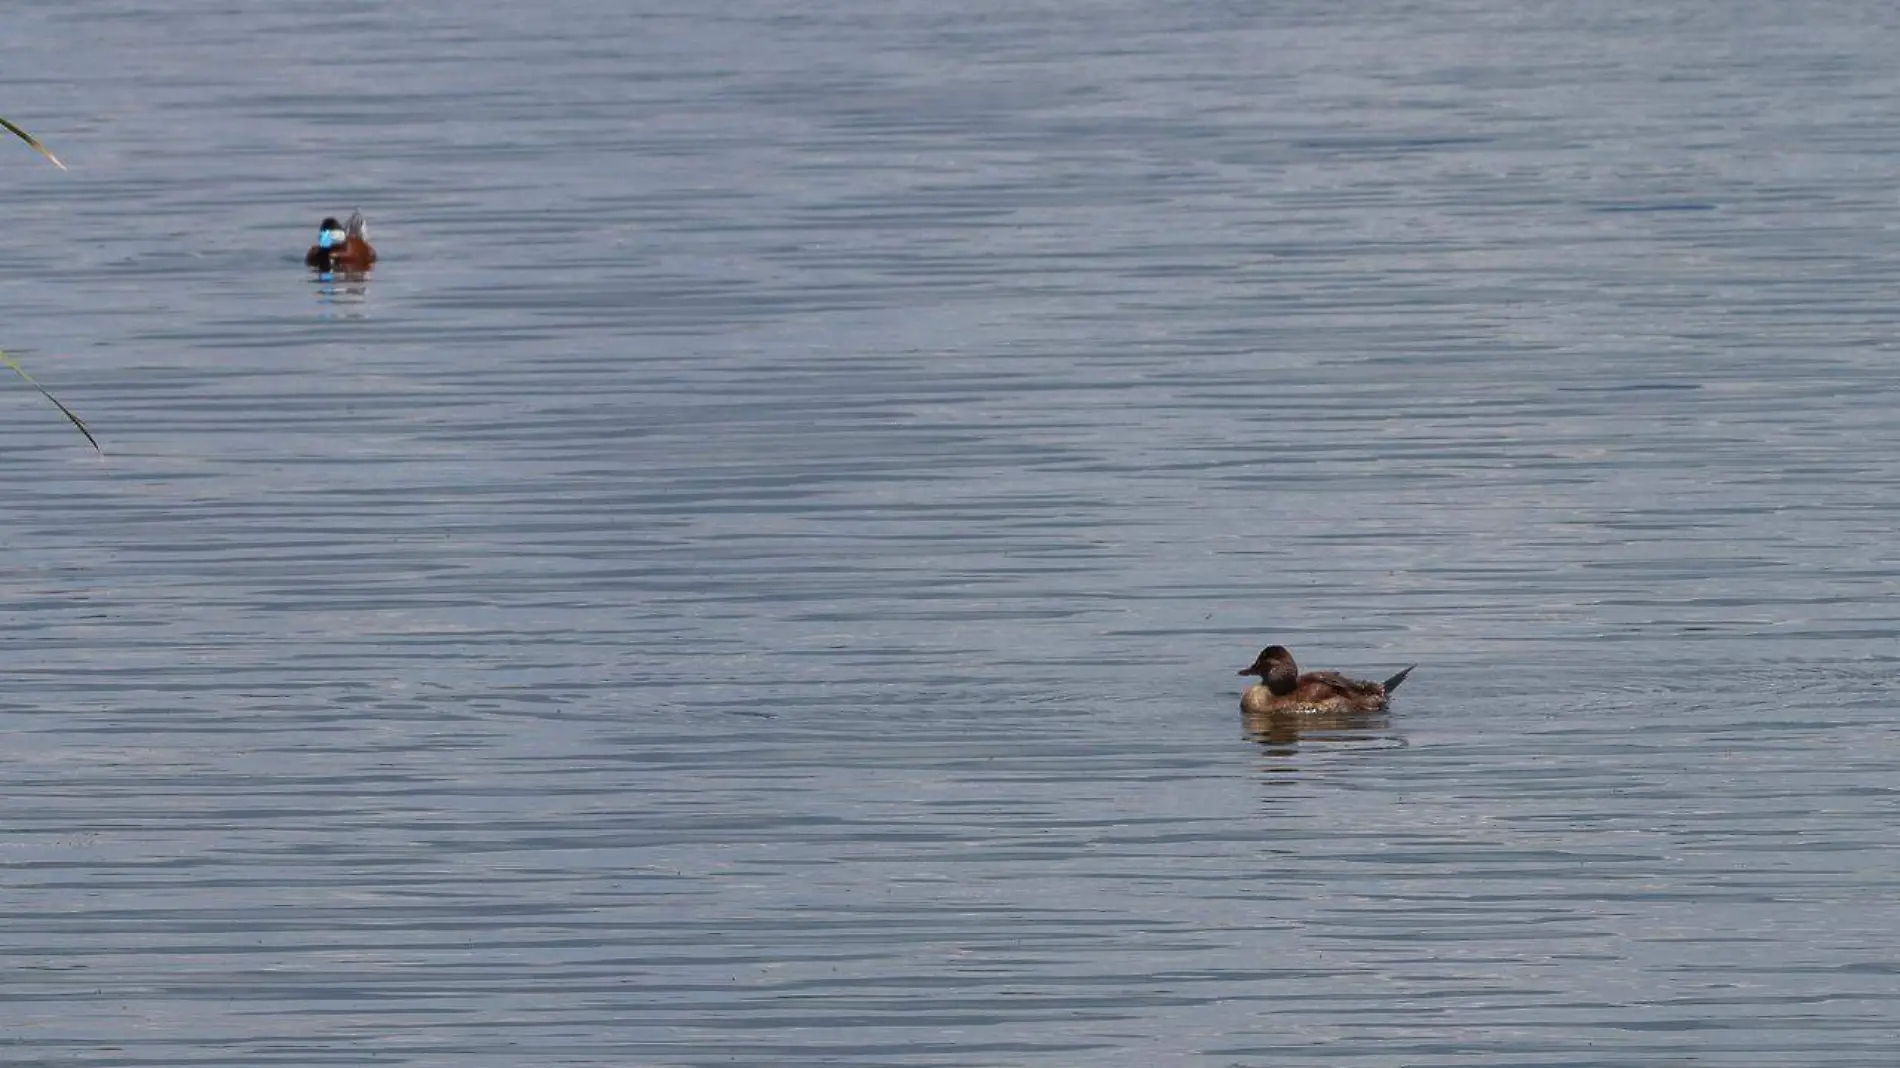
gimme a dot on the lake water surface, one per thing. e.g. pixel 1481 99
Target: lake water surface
pixel 756 575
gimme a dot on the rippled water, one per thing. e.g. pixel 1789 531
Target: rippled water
pixel 756 576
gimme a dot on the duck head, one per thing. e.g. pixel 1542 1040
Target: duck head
pixel 1276 668
pixel 330 233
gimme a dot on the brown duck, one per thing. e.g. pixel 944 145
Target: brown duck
pixel 1283 689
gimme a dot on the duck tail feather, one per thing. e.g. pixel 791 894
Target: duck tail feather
pixel 1393 682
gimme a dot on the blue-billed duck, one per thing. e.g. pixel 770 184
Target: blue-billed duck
pixel 341 247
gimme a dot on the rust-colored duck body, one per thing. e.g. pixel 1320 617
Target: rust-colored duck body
pixel 1283 689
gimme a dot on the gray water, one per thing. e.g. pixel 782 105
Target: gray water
pixel 756 574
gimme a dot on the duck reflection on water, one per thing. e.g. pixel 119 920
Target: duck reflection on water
pixel 1282 732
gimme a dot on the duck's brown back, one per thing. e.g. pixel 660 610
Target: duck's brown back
pixel 1317 691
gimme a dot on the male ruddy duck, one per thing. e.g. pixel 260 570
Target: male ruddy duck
pixel 340 247
pixel 1283 689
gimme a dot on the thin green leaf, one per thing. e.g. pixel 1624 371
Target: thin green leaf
pixel 35 142
pixel 67 412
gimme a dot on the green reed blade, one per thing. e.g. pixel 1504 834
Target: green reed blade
pixel 35 142
pixel 67 412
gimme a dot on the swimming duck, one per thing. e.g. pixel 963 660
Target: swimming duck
pixel 1283 689
pixel 341 247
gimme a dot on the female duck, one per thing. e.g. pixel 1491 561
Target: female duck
pixel 1282 689
pixel 340 247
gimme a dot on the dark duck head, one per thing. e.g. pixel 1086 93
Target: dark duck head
pixel 1276 669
